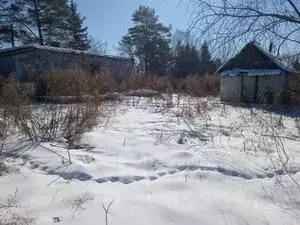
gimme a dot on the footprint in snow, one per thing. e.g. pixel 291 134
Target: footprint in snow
pixel 124 180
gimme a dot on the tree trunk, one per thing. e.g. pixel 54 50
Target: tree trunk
pixel 38 21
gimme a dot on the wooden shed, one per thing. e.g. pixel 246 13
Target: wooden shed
pixel 21 61
pixel 253 76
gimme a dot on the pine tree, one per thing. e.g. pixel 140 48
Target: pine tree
pixel 53 21
pixel 205 58
pixel 148 41
pixel 296 65
pixel 48 19
pixel 78 33
pixel 45 22
pixel 206 66
pixel 186 60
pixel 12 16
pixel 5 22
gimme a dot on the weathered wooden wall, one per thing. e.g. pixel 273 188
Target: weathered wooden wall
pixel 230 88
pixel 270 88
pixel 244 89
pixel 52 60
pixel 24 62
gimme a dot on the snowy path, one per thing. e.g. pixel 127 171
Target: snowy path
pixel 220 175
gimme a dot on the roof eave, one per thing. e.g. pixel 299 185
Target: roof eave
pixel 267 54
pixel 66 50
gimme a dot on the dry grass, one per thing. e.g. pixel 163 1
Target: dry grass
pixel 292 95
pixel 136 82
pixel 3 168
pixel 65 83
pixel 104 82
pixel 9 214
pixel 54 84
pixel 79 203
pixel 12 96
pixel 55 121
pixel 201 86
pixel 207 85
pixel 74 85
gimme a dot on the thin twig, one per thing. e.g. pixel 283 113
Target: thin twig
pixel 106 210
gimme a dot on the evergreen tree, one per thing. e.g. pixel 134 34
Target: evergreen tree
pixel 47 22
pixel 78 33
pixel 44 21
pixel 148 41
pixel 52 21
pixel 12 16
pixel 186 60
pixel 296 65
pixel 207 66
pixel 5 22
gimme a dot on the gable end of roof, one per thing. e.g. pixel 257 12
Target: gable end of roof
pixel 271 57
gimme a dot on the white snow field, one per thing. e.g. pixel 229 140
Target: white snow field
pixel 168 161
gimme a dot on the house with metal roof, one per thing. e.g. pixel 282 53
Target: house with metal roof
pixel 253 76
pixel 27 60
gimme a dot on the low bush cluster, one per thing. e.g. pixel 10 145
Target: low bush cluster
pixel 51 120
pixel 207 85
pixel 71 101
pixel 292 94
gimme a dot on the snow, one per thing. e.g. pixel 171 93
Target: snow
pixel 220 174
pixel 279 62
pixel 65 50
pixel 251 72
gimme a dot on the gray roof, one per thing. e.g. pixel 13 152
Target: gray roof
pixel 16 50
pixel 273 58
pixel 276 60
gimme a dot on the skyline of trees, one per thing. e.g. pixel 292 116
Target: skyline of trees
pixel 148 41
pixel 228 24
pixel 53 23
pixel 152 44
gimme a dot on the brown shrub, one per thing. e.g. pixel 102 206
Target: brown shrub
pixel 13 95
pixel 132 82
pixel 70 121
pixel 208 85
pixel 66 83
pixel 12 92
pixel 292 94
pixel 135 82
pixel 104 82
pixel 73 82
pixel 10 213
pixel 49 122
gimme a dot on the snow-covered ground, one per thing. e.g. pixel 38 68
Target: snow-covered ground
pixel 174 161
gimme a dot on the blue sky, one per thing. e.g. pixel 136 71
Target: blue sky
pixel 109 20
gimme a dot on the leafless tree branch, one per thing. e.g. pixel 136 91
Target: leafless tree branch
pixel 16 18
pixel 224 22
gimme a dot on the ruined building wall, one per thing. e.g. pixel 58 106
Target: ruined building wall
pixel 36 60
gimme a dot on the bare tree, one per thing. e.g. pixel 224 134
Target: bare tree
pixel 97 45
pixel 12 13
pixel 230 23
pixel 184 37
